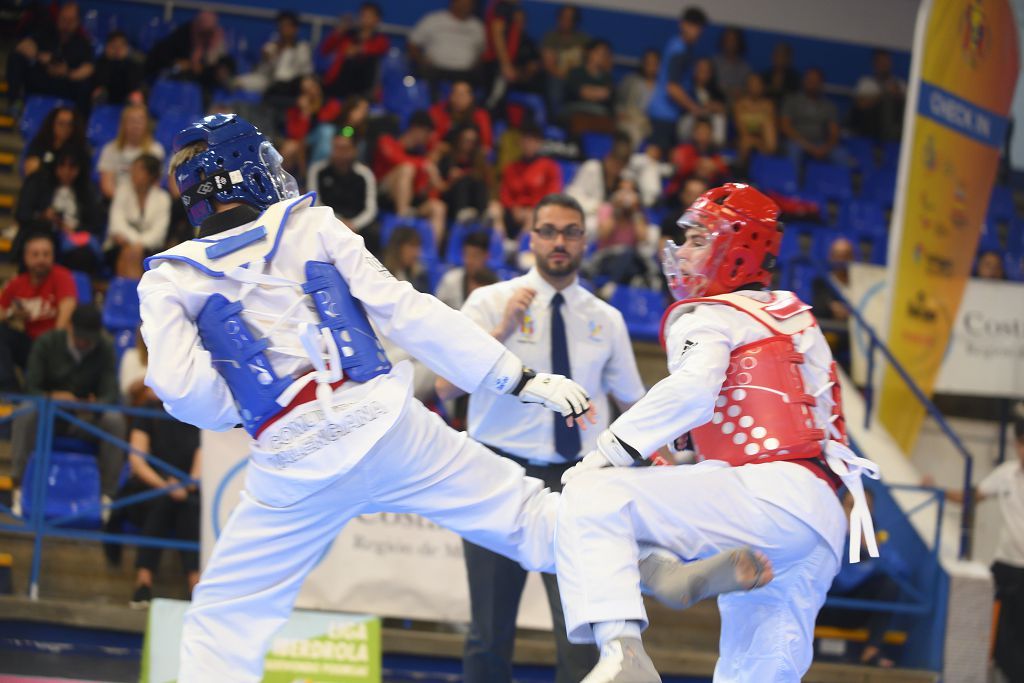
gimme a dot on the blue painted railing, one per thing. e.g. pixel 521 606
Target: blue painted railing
pixel 36 524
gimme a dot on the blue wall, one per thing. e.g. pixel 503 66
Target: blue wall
pixel 630 34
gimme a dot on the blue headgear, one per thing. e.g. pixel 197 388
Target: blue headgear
pixel 239 164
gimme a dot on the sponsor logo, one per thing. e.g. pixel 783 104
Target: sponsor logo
pixel 974 34
pixel 934 264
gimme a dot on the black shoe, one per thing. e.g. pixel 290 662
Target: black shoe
pixel 141 597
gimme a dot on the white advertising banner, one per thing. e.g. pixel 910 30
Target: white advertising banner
pixel 985 356
pixel 390 565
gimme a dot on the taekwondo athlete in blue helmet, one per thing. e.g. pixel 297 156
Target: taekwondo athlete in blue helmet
pixel 263 320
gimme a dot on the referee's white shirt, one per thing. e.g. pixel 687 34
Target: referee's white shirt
pixel 600 356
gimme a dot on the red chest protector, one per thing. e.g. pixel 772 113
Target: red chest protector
pixel 764 410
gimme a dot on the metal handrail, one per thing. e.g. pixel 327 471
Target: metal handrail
pixel 876 344
pixel 49 411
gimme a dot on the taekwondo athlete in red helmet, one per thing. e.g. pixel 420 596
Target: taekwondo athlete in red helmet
pixel 753 383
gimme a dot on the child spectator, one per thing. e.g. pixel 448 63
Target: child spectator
pixel 699 157
pixel 140 216
pixel 134 138
pixel 596 179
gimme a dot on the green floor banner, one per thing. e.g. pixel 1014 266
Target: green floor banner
pixel 313 647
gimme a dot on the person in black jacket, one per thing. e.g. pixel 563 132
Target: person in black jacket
pixel 118 71
pixel 61 199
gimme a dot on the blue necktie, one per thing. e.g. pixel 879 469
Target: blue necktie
pixel 567 439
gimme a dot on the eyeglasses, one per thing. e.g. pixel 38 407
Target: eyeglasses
pixel 571 234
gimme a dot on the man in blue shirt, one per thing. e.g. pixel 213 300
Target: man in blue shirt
pixel 670 100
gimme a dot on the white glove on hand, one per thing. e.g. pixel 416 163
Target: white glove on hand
pixel 609 452
pixel 557 393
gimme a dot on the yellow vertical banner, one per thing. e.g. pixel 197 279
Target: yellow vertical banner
pixel 963 74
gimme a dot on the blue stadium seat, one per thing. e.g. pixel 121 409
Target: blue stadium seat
pixel 553 132
pixel 169 125
pixel 880 187
pixel 393 68
pixel 596 145
pixel 569 169
pixel 831 181
pixel 863 217
pixel 83 286
pixel 862 151
pixel 1014 266
pixel 103 124
pixel 154 30
pixel 123 340
pixel 890 154
pixel 1001 206
pixel 35 110
pixel 405 97
pixel 121 306
pixel 532 102
pixel 73 444
pixel 773 174
pixel 183 97
pixel 72 486
pixel 641 308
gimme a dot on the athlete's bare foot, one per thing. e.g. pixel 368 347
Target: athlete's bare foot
pixel 679 584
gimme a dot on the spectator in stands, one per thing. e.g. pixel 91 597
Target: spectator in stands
pixel 646 168
pixel 730 65
pixel 829 308
pixel 873 578
pixel 691 189
pixel 511 59
pixel 197 51
pixel 353 53
pixel 284 60
pixel 403 257
pixel 710 100
pixel 61 200
pixel 74 364
pixel 670 99
pixel 878 100
pixel 460 110
pixel 467 178
pixel 526 181
pixel 447 45
pixel 174 515
pixel 753 117
pixel 119 71
pixel 350 118
pixel 456 285
pixel 633 96
pixel 131 374
pixel 562 50
pixel 700 157
pixel 597 179
pixel 300 120
pixel 810 122
pixel 38 300
pixel 63 130
pixel 56 60
pixel 990 266
pixel 347 186
pixel 134 138
pixel 140 216
pixel 589 92
pixel 407 175
pixel 621 232
pixel 781 79
pixel 1005 484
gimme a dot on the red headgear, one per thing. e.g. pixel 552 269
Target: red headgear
pixel 733 237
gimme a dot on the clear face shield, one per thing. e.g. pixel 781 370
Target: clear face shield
pixel 690 266
pixel 284 183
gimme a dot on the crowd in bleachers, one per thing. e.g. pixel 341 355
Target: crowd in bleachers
pixel 437 149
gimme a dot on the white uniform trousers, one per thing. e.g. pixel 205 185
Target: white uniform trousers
pixel 697 511
pixel 421 466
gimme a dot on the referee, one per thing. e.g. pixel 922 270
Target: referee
pixel 554 325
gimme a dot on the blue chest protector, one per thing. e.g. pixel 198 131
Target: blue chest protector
pixel 240 357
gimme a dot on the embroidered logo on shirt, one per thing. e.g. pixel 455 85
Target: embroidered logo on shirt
pixel 527 327
pixel 595 330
